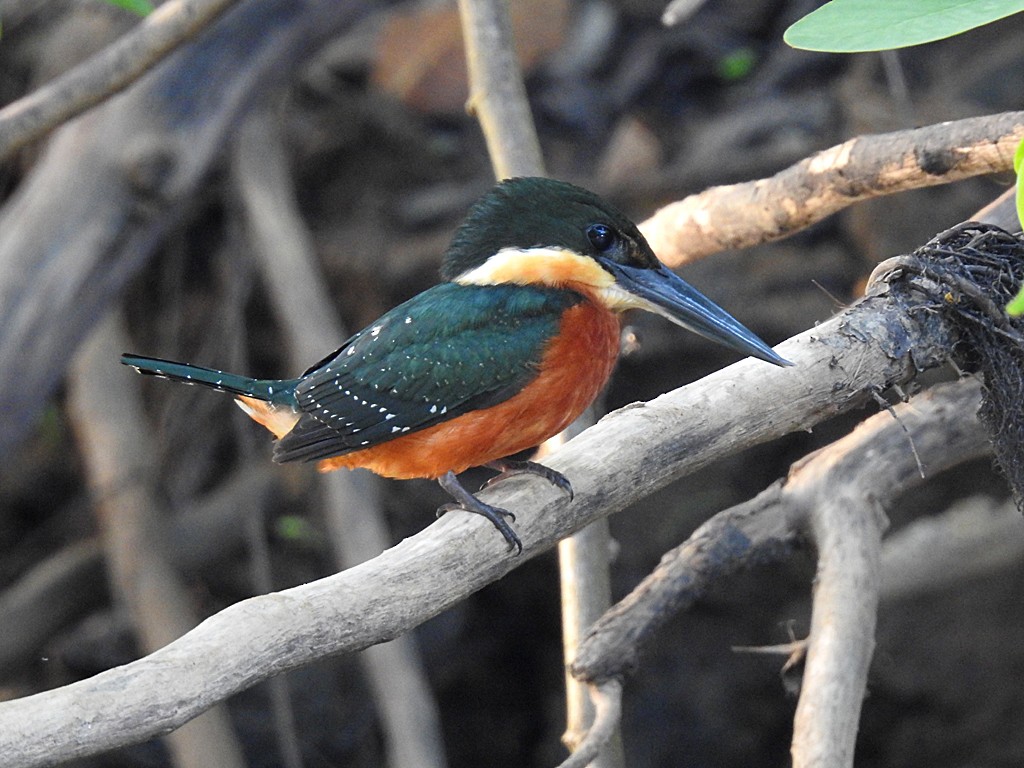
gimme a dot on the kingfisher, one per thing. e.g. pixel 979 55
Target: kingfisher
pixel 509 349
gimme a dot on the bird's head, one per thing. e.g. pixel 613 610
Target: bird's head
pixel 536 231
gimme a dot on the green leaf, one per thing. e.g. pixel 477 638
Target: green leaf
pixel 1018 168
pixel 140 7
pixel 1016 307
pixel 850 26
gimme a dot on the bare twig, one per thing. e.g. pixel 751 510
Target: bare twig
pixel 284 251
pixel 584 560
pixel 848 528
pixel 626 456
pixel 111 70
pixel 741 215
pixel 607 703
pixel 499 100
pixel 844 487
pixel 497 95
pixel 110 425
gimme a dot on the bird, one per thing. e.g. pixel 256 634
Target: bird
pixel 515 342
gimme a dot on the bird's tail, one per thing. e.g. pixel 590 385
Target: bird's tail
pixel 277 391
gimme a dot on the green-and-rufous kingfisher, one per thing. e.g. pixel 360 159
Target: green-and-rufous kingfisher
pixel 512 346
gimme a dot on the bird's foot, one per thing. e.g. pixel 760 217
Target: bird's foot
pixel 465 500
pixel 509 468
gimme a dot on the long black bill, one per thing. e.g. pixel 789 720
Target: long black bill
pixel 672 297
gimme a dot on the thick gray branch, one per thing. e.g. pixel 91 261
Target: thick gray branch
pixel 770 525
pixel 627 455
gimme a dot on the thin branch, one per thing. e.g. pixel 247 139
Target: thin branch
pixel 741 215
pixel 627 455
pixel 285 253
pixel 111 70
pixel 585 567
pixel 607 703
pixel 844 487
pixel 848 528
pixel 499 101
pixel 497 95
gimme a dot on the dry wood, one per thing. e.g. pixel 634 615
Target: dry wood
pixel 753 212
pixel 497 96
pixel 108 72
pixel 593 745
pixel 772 524
pixel 844 488
pixel 834 495
pixel 626 456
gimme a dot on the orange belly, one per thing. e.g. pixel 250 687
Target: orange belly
pixel 573 370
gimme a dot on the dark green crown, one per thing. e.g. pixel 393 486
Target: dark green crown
pixel 534 212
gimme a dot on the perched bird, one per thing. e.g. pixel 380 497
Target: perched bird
pixel 515 343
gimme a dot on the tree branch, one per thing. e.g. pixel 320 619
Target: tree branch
pixel 497 95
pixel 836 493
pixel 627 455
pixel 753 212
pixel 607 702
pixel 111 70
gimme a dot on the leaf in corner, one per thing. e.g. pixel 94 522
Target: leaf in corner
pixel 1016 307
pixel 851 26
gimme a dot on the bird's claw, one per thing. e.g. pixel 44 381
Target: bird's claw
pixel 496 510
pixel 466 501
pixel 509 468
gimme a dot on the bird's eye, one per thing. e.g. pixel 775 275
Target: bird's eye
pixel 601 236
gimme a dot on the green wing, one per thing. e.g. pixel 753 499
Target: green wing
pixel 447 351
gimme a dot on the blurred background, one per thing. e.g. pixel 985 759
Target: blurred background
pixel 383 162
